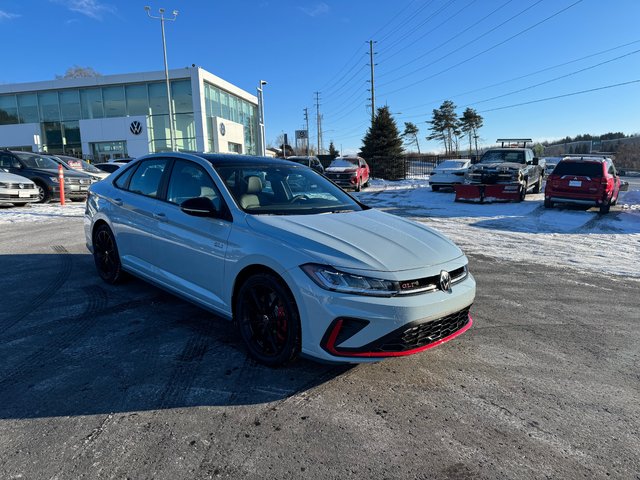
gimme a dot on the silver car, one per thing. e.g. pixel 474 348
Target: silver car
pixel 16 189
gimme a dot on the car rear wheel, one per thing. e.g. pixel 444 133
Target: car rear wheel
pixel 605 207
pixel 44 196
pixel 106 256
pixel 548 203
pixel 268 320
pixel 435 188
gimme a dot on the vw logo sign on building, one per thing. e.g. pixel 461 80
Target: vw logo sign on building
pixel 136 127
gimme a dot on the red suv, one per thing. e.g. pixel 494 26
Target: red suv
pixel 349 172
pixel 591 181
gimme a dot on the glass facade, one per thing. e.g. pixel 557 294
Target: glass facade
pixel 219 103
pixel 59 112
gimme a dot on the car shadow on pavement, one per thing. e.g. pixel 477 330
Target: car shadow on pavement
pixel 72 345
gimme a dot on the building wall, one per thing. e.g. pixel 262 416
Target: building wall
pixel 225 132
pixel 23 135
pixel 115 129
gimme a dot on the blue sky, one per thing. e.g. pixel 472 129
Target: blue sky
pixel 427 51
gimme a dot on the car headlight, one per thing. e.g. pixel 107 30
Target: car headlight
pixel 4 185
pixel 54 179
pixel 331 279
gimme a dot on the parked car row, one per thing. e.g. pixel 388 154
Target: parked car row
pixel 347 171
pixel 27 177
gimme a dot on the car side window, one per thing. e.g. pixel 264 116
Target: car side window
pixel 147 177
pixel 123 180
pixel 189 180
pixel 6 160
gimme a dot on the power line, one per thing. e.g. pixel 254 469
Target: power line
pixel 393 18
pixel 546 69
pixel 474 40
pixel 411 17
pixel 562 96
pixel 424 22
pixel 448 40
pixel 591 67
pixel 492 47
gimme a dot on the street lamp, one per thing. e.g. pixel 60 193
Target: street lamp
pixel 261 117
pixel 166 68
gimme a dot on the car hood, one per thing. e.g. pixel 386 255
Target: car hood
pixel 364 240
pixel 54 173
pixel 341 169
pixel 496 166
pixel 11 178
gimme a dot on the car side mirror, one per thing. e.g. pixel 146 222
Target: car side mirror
pixel 536 161
pixel 199 207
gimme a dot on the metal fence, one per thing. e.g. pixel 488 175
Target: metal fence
pixel 408 166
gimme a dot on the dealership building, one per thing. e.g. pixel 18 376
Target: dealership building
pixel 113 116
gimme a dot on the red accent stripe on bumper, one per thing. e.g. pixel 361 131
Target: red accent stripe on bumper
pixel 330 346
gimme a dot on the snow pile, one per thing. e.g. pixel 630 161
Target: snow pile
pixel 523 231
pixel 40 212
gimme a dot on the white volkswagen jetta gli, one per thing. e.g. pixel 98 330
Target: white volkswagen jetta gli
pixel 297 263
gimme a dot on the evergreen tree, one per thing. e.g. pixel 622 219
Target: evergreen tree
pixel 445 126
pixel 382 138
pixel 332 150
pixel 470 123
pixel 411 134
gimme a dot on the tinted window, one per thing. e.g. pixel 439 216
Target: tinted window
pixel 500 156
pixel 189 180
pixel 283 190
pixel 123 180
pixel 585 169
pixel 147 177
pixel 32 160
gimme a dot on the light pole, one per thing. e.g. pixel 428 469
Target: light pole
pixel 166 68
pixel 261 117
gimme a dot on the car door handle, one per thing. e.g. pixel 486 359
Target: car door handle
pixel 117 201
pixel 160 217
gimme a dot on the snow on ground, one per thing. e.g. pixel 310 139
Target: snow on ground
pixel 523 231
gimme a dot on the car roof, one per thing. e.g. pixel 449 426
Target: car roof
pixel 221 159
pixel 586 159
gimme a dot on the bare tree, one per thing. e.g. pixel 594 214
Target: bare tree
pixel 77 71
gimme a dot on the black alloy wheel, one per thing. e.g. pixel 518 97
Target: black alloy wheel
pixel 268 320
pixel 106 256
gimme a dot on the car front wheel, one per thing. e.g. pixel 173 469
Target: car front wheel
pixel 106 256
pixel 538 186
pixel 43 193
pixel 268 320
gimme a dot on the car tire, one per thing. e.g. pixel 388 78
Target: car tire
pixel 359 185
pixel 44 195
pixel 538 186
pixel 548 203
pixel 366 184
pixel 106 256
pixel 523 191
pixel 435 188
pixel 268 321
pixel 605 207
pixel 19 204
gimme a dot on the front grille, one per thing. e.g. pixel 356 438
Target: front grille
pixel 339 176
pixel 429 284
pixel 25 186
pixel 418 335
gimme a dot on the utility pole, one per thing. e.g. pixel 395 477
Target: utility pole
pixel 306 118
pixel 319 122
pixel 373 89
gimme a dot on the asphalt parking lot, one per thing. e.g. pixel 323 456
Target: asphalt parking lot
pixel 130 382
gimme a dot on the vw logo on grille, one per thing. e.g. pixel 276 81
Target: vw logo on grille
pixel 21 185
pixel 135 127
pixel 445 281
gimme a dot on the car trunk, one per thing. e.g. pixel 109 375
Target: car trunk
pixel 578 177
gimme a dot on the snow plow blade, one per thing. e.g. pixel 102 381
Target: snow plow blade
pixel 481 193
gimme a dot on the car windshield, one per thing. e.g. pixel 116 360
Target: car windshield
pixel 452 164
pixel 283 190
pixel 32 160
pixel 78 164
pixel 503 156
pixel 344 162
pixel 583 169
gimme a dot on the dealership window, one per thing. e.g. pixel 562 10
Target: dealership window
pixel 70 104
pixel 137 100
pixel 181 96
pixel 8 110
pixel 158 99
pixel 234 147
pixel 91 103
pixel 114 104
pixel 28 108
pixel 49 107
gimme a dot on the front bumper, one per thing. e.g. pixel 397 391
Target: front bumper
pixel 482 193
pixel 18 195
pixel 340 327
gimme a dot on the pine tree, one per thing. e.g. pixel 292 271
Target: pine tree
pixel 411 134
pixel 332 150
pixel 445 126
pixel 382 139
pixel 382 147
pixel 470 123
